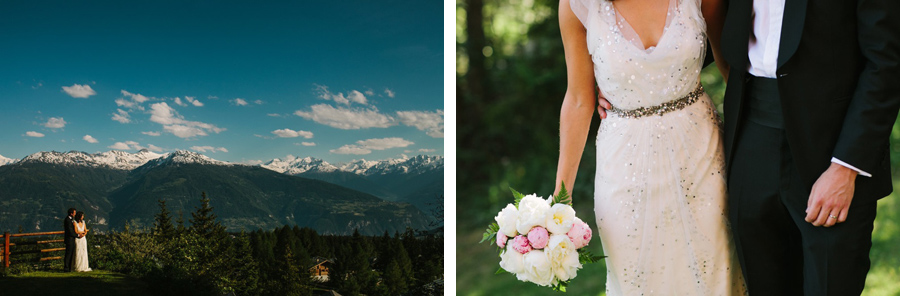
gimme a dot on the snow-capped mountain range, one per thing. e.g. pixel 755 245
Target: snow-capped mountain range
pixel 418 164
pixel 290 165
pixel 5 161
pixel 114 159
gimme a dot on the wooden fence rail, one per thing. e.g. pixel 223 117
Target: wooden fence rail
pixel 6 245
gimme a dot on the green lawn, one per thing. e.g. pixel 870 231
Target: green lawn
pixel 476 263
pixel 73 283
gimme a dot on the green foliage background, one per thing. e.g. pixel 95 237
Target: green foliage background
pixel 510 83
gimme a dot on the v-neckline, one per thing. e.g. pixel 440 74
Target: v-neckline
pixel 671 11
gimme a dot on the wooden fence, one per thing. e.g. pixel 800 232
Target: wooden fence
pixel 6 245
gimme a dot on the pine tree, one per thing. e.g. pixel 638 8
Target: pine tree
pixel 163 227
pixel 394 282
pixel 203 221
pixel 180 221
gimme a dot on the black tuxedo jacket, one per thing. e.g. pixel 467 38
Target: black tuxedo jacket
pixel 69 227
pixel 839 81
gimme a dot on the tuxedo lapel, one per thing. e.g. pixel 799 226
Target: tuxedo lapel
pixel 791 29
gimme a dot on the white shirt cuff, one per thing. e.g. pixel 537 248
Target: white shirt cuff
pixel 861 172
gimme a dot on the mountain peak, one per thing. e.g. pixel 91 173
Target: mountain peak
pixel 6 161
pixel 292 165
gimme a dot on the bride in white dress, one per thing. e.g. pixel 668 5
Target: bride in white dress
pixel 660 197
pixel 81 254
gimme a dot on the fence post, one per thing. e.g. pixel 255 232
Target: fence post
pixel 6 249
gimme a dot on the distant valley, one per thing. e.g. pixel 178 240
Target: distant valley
pixel 115 188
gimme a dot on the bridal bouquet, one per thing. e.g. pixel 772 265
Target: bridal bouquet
pixel 540 240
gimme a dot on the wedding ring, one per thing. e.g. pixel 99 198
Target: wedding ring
pixel 833 216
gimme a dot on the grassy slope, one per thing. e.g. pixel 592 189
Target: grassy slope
pixel 82 283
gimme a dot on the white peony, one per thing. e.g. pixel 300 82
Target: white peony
pixel 538 268
pixel 563 257
pixel 506 219
pixel 560 219
pixel 532 212
pixel 512 261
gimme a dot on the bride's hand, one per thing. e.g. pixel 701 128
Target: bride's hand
pixel 602 104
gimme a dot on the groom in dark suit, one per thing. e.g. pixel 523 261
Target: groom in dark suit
pixel 69 240
pixel 813 92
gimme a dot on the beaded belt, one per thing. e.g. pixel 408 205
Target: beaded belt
pixel 676 104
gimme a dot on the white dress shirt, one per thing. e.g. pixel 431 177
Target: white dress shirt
pixel 763 47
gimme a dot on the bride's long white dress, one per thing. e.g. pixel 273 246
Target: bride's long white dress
pixel 81 254
pixel 660 195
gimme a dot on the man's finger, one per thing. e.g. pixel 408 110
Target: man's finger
pixel 812 213
pixel 843 215
pixel 823 217
pixel 832 218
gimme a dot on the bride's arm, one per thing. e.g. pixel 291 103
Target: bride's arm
pixel 714 14
pixel 579 102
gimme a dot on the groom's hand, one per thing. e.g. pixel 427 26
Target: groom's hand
pixel 831 196
pixel 602 104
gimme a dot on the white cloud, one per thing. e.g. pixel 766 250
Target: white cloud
pixel 389 92
pixel 353 96
pixel 176 124
pixel 55 122
pixel 427 150
pixel 193 101
pixel 288 133
pixel 258 102
pixel 131 101
pixel 179 102
pixel 132 145
pixel 366 146
pixel 350 149
pixel 431 122
pixel 384 143
pixel 308 144
pixel 183 131
pixel 90 139
pixel 252 162
pixel 357 97
pixel 120 146
pixel 212 97
pixel 121 116
pixel 344 118
pixel 127 145
pixel 239 102
pixel 34 134
pixel 274 115
pixel 79 91
pixel 212 149
pixel 370 92
pixel 138 98
pixel 154 134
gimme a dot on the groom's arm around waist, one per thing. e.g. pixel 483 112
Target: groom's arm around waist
pixel 873 109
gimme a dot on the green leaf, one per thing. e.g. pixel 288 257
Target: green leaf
pixel 501 271
pixel 561 286
pixel 517 195
pixel 562 196
pixel 490 233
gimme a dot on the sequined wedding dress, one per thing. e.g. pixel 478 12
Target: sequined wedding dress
pixel 660 189
pixel 81 253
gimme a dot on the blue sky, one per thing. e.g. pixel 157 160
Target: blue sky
pixel 239 81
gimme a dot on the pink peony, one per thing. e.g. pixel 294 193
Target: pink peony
pixel 501 240
pixel 538 237
pixel 580 234
pixel 520 244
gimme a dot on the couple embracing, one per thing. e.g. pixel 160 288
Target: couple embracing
pixel 76 258
pixel 782 204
